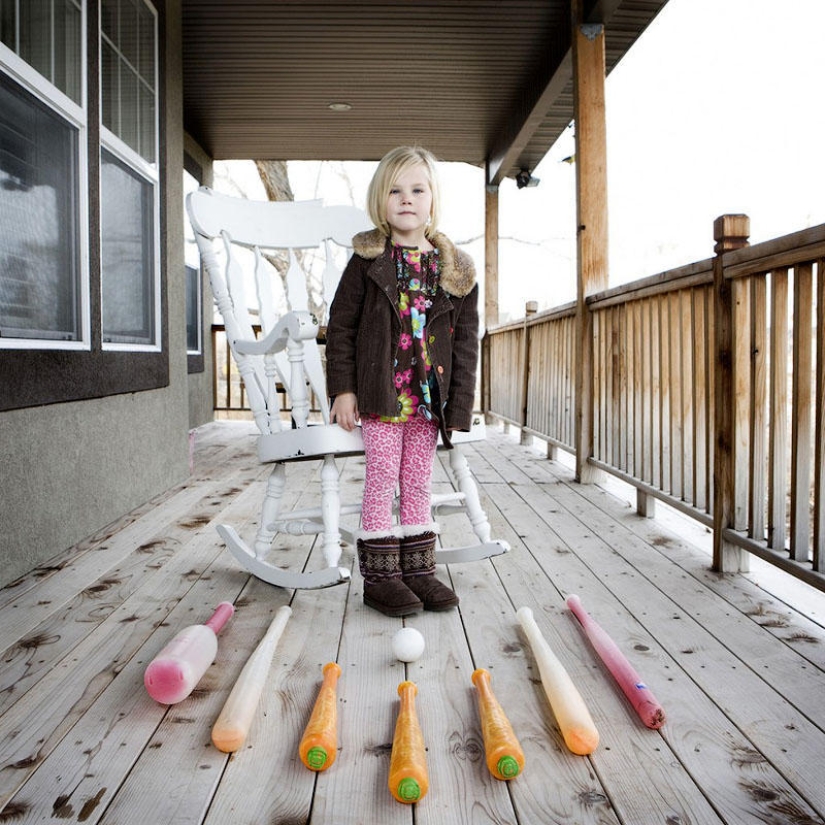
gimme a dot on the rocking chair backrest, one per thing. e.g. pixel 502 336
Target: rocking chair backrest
pixel 234 236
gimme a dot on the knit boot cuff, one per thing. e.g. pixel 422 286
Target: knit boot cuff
pixel 368 535
pixel 409 530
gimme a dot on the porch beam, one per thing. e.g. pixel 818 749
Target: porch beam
pixel 591 219
pixel 526 118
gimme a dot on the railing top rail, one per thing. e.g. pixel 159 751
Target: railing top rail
pixel 682 277
pixel 789 250
pixel 561 311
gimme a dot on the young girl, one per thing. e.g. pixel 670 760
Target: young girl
pixel 402 348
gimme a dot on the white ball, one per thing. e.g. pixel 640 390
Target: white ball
pixel 407 644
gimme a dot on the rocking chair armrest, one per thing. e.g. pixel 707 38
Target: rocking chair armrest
pixel 298 326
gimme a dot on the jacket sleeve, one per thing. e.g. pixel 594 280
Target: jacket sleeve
pixel 342 329
pixel 458 414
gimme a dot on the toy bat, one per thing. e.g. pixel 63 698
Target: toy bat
pixel 408 761
pixel 576 724
pixel 505 758
pixel 639 694
pixel 173 674
pixel 319 744
pixel 235 720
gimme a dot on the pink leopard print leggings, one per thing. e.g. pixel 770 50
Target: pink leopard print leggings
pixel 397 455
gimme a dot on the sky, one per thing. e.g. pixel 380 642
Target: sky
pixel 716 109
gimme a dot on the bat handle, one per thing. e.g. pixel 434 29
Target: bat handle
pixel 528 623
pixel 223 613
pixel 576 608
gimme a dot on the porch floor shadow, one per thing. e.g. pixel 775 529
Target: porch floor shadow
pixel 737 661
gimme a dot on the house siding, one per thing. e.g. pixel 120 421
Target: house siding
pixel 70 469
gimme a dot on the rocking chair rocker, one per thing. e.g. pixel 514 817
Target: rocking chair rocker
pixel 234 237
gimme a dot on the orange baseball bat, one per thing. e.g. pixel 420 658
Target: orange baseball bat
pixel 319 744
pixel 408 780
pixel 505 758
pixel 576 724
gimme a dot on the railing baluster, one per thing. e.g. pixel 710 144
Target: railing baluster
pixel 801 445
pixel 819 425
pixel 758 423
pixel 778 438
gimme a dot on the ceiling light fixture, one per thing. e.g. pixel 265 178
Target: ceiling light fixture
pixel 340 107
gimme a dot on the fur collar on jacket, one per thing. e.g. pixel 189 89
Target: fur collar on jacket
pixel 458 274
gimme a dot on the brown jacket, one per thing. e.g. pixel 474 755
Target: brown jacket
pixel 365 324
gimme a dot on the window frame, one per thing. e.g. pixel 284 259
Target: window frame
pixel 76 116
pixel 148 171
pixel 192 180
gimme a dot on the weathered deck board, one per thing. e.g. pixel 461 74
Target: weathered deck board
pixel 740 673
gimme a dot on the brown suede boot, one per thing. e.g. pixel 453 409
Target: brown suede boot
pixel 378 560
pixel 418 568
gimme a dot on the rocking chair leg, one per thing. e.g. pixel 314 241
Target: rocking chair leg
pixel 270 510
pixel 466 484
pixel 331 511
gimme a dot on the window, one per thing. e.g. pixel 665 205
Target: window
pixel 46 34
pixel 43 274
pixel 127 253
pixel 92 290
pixel 127 54
pixel 130 293
pixel 39 255
pixel 192 272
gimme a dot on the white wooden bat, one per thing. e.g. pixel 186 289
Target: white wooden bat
pixel 574 720
pixel 233 723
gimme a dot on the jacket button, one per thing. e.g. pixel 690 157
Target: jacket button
pixel 440 369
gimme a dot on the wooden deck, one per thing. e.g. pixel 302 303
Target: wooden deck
pixel 739 671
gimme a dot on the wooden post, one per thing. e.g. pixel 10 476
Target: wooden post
pixel 490 286
pixel 530 309
pixel 491 256
pixel 591 218
pixel 729 232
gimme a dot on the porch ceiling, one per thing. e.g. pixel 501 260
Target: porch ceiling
pixel 482 81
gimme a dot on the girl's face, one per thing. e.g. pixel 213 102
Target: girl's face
pixel 408 206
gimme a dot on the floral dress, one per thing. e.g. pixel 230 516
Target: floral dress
pixel 417 274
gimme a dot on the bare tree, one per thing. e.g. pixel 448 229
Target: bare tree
pixel 275 178
pixel 274 175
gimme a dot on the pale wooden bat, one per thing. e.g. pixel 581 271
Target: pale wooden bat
pixel 233 724
pixel 573 717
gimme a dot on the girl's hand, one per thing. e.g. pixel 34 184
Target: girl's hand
pixel 344 411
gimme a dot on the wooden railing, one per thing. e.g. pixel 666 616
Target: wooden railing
pixel 528 375
pixel 708 392
pixel 228 392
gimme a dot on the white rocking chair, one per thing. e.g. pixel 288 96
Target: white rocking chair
pixel 233 236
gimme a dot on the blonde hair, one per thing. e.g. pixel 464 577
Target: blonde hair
pixel 390 168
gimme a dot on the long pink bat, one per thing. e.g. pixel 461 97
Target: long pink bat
pixel 639 694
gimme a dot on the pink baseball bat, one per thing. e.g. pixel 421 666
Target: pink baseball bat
pixel 173 674
pixel 639 694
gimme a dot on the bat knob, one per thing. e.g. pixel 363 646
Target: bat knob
pixel 316 758
pixel 507 766
pixel 408 789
